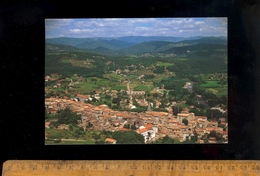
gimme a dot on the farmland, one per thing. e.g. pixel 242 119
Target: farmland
pixel 161 76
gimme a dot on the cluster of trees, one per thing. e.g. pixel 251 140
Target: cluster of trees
pixel 128 137
pixel 65 116
pixel 130 126
pixel 165 140
pixel 212 99
pixel 158 70
pixel 218 136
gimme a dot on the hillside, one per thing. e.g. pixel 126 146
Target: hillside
pixel 90 43
pixel 147 47
pixel 111 44
pixel 195 47
pixel 208 40
pixel 66 41
pixel 141 39
pixel 137 44
pixel 60 47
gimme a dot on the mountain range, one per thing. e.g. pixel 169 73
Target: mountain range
pixel 140 44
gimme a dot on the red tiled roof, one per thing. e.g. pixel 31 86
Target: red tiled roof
pixel 97 109
pixel 225 132
pixel 110 140
pixel 173 121
pixel 107 110
pixel 106 116
pixel 141 130
pixel 164 131
pixel 210 129
pixel 123 129
pixel 181 114
pixel 148 126
pixel 184 127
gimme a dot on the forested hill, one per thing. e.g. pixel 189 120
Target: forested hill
pixel 90 43
pixel 136 44
pixel 59 47
pixel 146 47
pixel 126 39
pixel 188 60
pixel 207 40
pixel 195 47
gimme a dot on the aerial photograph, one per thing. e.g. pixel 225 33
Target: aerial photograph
pixel 112 81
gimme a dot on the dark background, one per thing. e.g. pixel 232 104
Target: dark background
pixel 22 44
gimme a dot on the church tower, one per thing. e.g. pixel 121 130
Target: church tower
pixel 149 106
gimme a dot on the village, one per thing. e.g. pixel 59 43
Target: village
pixel 150 124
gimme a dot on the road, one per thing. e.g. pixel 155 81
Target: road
pixel 202 101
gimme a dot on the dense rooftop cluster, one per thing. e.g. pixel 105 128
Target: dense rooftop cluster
pixel 152 125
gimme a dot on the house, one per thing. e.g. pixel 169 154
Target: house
pixel 225 135
pixel 224 123
pixel 63 127
pixel 209 129
pixel 140 77
pixel 212 124
pixel 97 97
pixel 47 124
pixel 147 131
pixel 81 98
pixel 185 115
pixel 212 140
pixel 200 131
pixel 110 141
pixel 202 118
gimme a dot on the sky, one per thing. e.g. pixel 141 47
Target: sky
pixel 118 27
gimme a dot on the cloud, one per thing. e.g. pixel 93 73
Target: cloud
pixel 80 31
pixel 141 20
pixel 142 28
pixel 199 23
pixel 116 27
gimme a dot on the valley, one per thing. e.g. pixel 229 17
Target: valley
pixel 173 89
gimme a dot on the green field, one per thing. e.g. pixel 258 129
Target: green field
pixel 211 84
pixel 141 87
pixel 218 89
pixel 85 86
pixel 222 91
pixel 164 64
pixel 112 76
pixel 118 88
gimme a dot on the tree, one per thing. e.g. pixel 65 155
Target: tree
pixel 126 125
pixel 194 138
pixel 212 133
pixel 70 127
pixel 133 127
pixel 96 136
pixel 219 136
pixel 66 116
pixel 100 141
pixel 78 132
pixel 185 121
pixel 165 140
pixel 129 137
